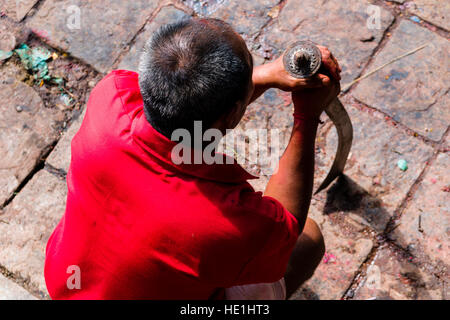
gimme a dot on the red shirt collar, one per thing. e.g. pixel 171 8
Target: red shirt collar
pixel 159 146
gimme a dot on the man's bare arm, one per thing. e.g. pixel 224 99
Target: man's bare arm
pixel 292 183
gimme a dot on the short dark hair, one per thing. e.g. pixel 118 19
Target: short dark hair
pixel 189 71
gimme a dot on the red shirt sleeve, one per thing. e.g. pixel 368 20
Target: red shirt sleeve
pixel 270 262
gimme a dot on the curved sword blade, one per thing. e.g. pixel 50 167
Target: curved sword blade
pixel 337 113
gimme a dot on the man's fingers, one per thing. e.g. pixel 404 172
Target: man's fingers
pixel 336 62
pixel 330 63
pixel 317 81
pixel 324 79
pixel 334 68
pixel 339 67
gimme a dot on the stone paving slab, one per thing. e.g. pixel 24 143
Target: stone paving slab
pixel 11 34
pixel 105 28
pixel 17 9
pixel 431 11
pixel 392 276
pixel 341 25
pixel 27 223
pixel 60 157
pixel 373 186
pixel 10 290
pixel 412 90
pixel 425 224
pixel 165 15
pixel 28 129
pixel 346 249
pixel 246 17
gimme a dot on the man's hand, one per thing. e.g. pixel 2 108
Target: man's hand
pixel 281 79
pixel 274 75
pixel 309 103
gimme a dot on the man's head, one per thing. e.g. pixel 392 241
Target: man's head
pixel 196 69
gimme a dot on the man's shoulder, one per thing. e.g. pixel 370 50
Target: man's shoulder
pixel 108 114
pixel 117 93
pixel 117 80
pixel 121 73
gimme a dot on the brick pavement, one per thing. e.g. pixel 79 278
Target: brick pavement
pixel 386 230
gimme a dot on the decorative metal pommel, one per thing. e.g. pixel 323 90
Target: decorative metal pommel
pixel 302 59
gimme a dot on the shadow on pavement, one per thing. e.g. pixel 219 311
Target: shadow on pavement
pixel 345 196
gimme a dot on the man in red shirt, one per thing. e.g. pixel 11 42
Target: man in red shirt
pixel 139 225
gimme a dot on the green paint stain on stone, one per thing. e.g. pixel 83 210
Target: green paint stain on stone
pixel 402 164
